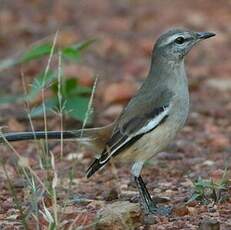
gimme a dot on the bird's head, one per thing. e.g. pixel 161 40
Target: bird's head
pixel 176 43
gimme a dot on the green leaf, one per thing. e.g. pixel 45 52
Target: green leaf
pixel 82 90
pixel 194 196
pixel 36 52
pixel 44 49
pixel 69 86
pixel 77 106
pixel 71 53
pixel 52 226
pixel 50 103
pixel 74 51
pixel 83 45
pixel 40 81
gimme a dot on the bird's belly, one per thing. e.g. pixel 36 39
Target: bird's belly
pixel 151 143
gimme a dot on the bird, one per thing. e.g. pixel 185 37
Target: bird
pixel 150 120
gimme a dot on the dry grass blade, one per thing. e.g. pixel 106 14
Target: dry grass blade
pixel 43 90
pixel 23 162
pixel 89 107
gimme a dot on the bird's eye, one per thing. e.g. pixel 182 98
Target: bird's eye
pixel 179 40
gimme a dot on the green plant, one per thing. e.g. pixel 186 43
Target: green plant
pixel 67 96
pixel 75 98
pixel 207 190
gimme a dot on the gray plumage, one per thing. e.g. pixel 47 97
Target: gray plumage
pixel 166 86
pixel 153 117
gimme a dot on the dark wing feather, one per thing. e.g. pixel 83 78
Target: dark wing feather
pixel 124 136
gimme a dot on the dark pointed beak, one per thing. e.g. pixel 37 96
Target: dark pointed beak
pixel 205 35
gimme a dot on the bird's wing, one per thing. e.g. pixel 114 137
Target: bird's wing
pixel 125 133
pixel 133 129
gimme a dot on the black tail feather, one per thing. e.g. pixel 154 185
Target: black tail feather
pixel 95 166
pixel 20 136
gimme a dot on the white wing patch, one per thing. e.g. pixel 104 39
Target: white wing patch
pixel 154 122
pixel 112 152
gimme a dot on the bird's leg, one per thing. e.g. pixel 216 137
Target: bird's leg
pixel 149 205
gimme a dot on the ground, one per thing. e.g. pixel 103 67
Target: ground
pixel 120 58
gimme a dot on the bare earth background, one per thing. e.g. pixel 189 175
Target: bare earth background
pixel 126 31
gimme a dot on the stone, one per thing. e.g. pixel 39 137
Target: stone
pixel 219 84
pixel 119 215
pixel 209 224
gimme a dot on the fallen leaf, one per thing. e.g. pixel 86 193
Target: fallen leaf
pixel 192 211
pixel 14 125
pixel 113 111
pixel 180 210
pixel 83 73
pixel 119 92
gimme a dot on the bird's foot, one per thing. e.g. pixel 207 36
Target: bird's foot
pixel 153 212
pixel 159 211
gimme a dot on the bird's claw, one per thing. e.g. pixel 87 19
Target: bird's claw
pixel 160 211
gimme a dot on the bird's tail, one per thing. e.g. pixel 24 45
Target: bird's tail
pixel 94 138
pixel 22 136
pixel 93 168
